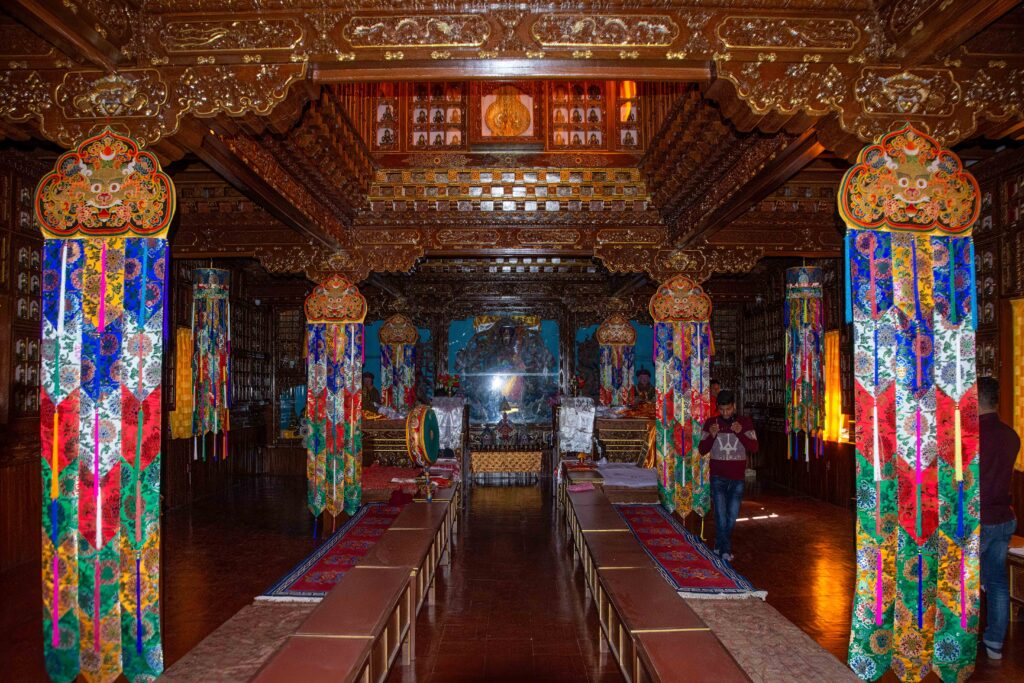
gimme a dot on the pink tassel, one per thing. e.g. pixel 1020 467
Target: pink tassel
pixel 56 599
pixel 103 288
pixel 878 590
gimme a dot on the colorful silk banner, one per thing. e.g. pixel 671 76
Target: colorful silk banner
pixel 398 338
pixel 805 393
pixel 332 431
pixel 104 212
pixel 909 208
pixel 616 338
pixel 1017 310
pixel 833 388
pixel 211 360
pixel 682 363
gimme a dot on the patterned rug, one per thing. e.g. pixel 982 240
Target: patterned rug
pixel 682 558
pixel 310 580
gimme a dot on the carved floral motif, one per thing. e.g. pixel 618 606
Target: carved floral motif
pixel 789 33
pixel 453 30
pixel 237 90
pixel 616 30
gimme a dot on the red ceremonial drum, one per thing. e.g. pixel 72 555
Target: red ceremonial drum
pixel 422 435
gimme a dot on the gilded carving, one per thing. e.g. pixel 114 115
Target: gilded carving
pixel 17 42
pixel 904 14
pixel 891 91
pixel 23 94
pixel 608 30
pixel 124 94
pixel 626 258
pixel 789 33
pixel 471 237
pixel 1003 96
pixel 813 88
pixel 230 36
pixel 453 30
pixel 397 236
pixel 630 236
pixel 541 237
pixel 237 90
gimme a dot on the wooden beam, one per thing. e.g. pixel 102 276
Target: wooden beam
pixel 791 160
pixel 58 25
pixel 471 69
pixel 215 154
pixel 942 31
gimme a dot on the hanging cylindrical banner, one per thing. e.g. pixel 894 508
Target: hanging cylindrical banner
pixel 211 360
pixel 909 207
pixel 616 339
pixel 805 350
pixel 104 211
pixel 398 338
pixel 682 363
pixel 333 426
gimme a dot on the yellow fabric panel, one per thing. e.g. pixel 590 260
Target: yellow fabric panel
pixel 833 390
pixel 1017 306
pixel 181 417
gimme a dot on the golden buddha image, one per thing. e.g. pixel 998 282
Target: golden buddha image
pixel 507 116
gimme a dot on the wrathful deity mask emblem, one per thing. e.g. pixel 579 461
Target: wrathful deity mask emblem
pixel 507 117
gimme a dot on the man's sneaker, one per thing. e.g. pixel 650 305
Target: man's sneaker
pixel 992 651
pixel 718 552
pixel 728 557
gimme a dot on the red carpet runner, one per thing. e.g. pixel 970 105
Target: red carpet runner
pixel 310 580
pixel 682 558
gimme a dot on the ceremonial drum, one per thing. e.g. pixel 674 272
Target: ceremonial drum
pixel 422 435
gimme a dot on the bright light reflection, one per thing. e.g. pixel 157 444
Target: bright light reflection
pixel 497 382
pixel 747 519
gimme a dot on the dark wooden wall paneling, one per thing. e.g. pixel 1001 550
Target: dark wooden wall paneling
pixel 20 288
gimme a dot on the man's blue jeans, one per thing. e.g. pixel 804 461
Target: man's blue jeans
pixel 995 539
pixel 726 495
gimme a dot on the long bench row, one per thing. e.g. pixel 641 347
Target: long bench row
pixel 652 632
pixel 358 630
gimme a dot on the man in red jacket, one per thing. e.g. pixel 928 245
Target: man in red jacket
pixel 997 449
pixel 730 438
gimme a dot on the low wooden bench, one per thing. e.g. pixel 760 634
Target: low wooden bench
pixel 434 515
pixel 635 601
pixel 415 549
pixel 611 551
pixel 374 608
pixel 696 657
pixel 319 660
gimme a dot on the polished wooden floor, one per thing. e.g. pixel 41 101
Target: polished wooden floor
pixel 511 607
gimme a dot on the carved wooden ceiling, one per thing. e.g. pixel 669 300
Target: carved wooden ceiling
pixel 368 137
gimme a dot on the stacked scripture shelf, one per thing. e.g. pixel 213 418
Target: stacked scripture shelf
pixel 725 326
pixel 764 359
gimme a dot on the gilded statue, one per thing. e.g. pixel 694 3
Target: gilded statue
pixel 507 116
